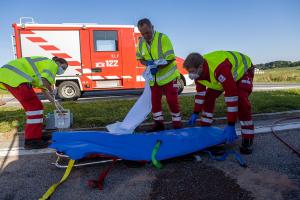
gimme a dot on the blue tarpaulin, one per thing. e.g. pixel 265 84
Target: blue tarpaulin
pixel 137 147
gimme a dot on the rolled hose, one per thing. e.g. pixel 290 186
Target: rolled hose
pixel 294 149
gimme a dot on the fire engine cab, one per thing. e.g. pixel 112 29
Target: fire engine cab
pixel 100 57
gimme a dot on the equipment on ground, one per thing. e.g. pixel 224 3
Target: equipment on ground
pixel 145 147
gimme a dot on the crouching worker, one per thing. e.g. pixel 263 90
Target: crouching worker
pixel 220 71
pixel 19 77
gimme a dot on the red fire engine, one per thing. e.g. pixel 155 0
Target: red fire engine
pixel 100 57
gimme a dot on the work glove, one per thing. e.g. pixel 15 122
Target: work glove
pixel 160 62
pixel 153 69
pixel 193 119
pixel 230 133
pixel 149 63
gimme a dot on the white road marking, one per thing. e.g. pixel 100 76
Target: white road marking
pixel 20 151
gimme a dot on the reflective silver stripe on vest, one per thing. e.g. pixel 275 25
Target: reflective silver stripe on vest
pixel 39 59
pixel 168 53
pixel 169 73
pixel 159 46
pixel 235 74
pixel 19 72
pixel 49 73
pixel 244 62
pixel 32 63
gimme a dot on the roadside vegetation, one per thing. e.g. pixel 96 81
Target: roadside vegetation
pixel 279 75
pixel 102 112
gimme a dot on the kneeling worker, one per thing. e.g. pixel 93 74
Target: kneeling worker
pixel 19 77
pixel 220 71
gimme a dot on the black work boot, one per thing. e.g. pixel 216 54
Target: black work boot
pixel 217 150
pixel 158 126
pixel 46 136
pixel 35 144
pixel 246 147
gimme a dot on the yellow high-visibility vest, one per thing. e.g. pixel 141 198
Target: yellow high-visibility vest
pixel 240 65
pixel 28 70
pixel 160 48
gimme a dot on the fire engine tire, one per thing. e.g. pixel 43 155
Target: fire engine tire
pixel 180 83
pixel 69 90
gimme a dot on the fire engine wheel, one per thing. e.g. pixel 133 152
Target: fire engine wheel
pixel 69 90
pixel 180 83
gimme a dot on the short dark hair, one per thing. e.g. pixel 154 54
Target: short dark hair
pixel 60 60
pixel 193 60
pixel 146 21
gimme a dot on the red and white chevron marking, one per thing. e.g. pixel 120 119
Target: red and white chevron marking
pixel 54 50
pixel 51 48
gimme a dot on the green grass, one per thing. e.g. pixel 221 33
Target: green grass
pixel 103 112
pixel 279 75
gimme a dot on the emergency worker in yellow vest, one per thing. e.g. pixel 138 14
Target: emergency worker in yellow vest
pixel 155 51
pixel 220 71
pixel 19 77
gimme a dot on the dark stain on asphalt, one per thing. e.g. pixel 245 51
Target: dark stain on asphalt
pixel 192 180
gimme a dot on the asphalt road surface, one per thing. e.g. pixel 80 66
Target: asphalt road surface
pixel 272 174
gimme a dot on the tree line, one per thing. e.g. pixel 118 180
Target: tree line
pixel 277 64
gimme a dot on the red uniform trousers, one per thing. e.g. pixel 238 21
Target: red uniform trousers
pixel 244 86
pixel 171 92
pixel 33 107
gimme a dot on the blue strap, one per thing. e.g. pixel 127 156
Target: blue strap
pixel 238 157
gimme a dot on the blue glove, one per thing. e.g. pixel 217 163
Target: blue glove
pixel 193 119
pixel 230 133
pixel 154 70
pixel 149 62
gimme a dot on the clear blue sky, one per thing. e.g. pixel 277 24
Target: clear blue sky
pixel 266 30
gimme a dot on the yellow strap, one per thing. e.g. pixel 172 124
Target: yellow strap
pixel 51 190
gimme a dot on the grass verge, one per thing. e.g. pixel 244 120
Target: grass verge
pixel 103 112
pixel 279 75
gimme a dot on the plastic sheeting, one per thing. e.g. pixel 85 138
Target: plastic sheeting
pixel 138 112
pixel 174 143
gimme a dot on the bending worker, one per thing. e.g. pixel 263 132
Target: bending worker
pixel 19 77
pixel 220 71
pixel 155 51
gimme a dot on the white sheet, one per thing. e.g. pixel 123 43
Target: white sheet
pixel 138 113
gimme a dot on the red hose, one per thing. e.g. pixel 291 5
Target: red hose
pixel 294 149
